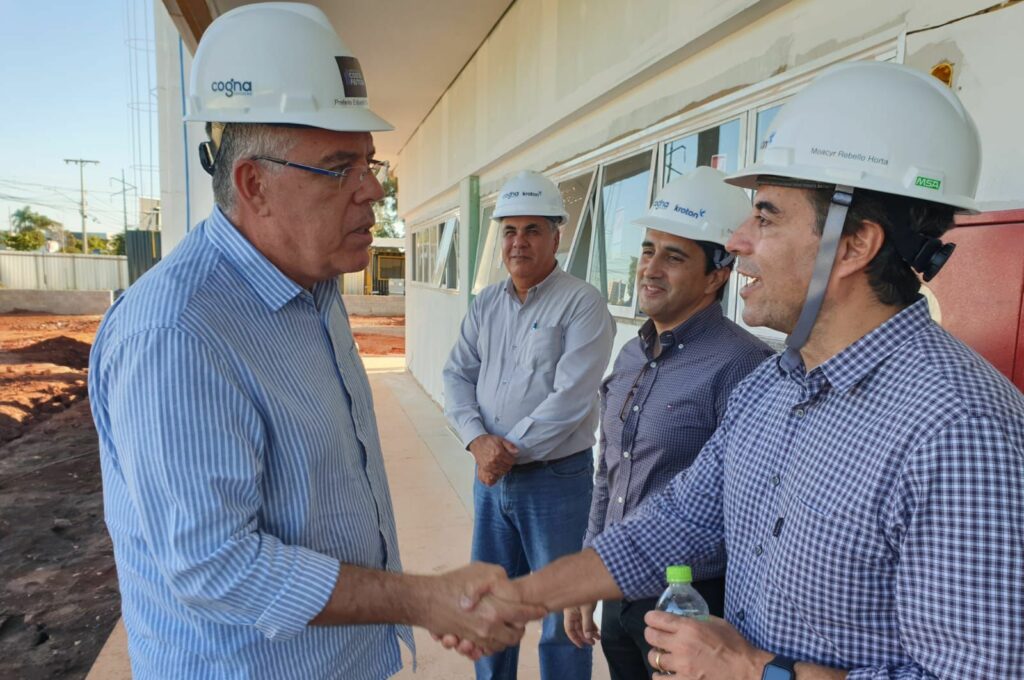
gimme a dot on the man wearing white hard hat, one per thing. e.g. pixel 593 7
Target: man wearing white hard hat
pixel 669 388
pixel 521 391
pixel 244 487
pixel 868 483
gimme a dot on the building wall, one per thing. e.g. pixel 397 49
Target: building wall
pixel 558 79
pixel 186 194
pixel 562 86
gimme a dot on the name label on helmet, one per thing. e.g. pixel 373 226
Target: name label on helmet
pixel 232 87
pixel 516 194
pixel 849 155
pixel 660 205
pixel 352 82
pixel 928 182
pixel 689 212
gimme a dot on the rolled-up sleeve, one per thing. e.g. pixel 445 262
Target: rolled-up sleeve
pixel 189 444
pixel 683 524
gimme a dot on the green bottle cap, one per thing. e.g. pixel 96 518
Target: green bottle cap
pixel 679 573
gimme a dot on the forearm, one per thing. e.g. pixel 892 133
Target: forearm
pixel 576 579
pixel 367 596
pixel 810 671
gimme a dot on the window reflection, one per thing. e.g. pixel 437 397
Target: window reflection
pixel 717 147
pixel 625 194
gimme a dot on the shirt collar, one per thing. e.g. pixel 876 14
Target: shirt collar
pixel 555 274
pixel 684 333
pixel 267 281
pixel 850 366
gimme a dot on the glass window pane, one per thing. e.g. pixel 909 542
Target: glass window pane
pixel 574 194
pixel 625 195
pixel 450 273
pixel 716 147
pixel 764 121
pixel 490 268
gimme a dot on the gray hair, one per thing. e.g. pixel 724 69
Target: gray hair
pixel 239 141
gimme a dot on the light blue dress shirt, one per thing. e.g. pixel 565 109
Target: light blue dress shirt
pixel 529 371
pixel 241 467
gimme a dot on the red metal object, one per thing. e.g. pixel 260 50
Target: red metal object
pixel 980 291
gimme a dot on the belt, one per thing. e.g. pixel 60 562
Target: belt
pixel 539 464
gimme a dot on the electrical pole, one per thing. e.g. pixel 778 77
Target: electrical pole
pixel 81 184
pixel 124 197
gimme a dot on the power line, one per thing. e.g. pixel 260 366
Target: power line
pixel 81 162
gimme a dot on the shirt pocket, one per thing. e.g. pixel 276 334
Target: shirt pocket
pixel 544 349
pixel 833 567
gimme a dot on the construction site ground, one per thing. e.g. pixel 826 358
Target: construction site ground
pixel 59 598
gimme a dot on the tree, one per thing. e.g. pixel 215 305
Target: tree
pixel 97 244
pixel 115 246
pixel 386 212
pixel 26 239
pixel 71 244
pixel 27 230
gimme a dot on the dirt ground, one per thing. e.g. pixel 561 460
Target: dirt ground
pixel 59 599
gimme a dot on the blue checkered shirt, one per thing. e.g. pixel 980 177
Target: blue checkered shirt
pixel 658 412
pixel 872 510
pixel 241 466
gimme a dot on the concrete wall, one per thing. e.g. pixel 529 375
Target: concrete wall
pixel 66 302
pixel 375 305
pixel 432 320
pixel 556 80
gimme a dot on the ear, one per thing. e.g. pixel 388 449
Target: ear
pixel 716 279
pixel 250 186
pixel 558 236
pixel 856 250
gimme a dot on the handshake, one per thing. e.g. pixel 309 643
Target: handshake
pixel 476 610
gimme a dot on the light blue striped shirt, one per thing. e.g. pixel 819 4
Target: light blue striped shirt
pixel 241 465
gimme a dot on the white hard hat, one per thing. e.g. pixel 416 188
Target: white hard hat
pixel 873 125
pixel 278 62
pixel 530 193
pixel 699 206
pixel 879 127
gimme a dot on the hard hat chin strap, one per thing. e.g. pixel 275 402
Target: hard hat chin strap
pixel 827 249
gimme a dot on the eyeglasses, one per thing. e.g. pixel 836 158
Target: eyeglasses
pixel 379 169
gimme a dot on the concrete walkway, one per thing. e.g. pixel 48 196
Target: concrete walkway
pixel 432 489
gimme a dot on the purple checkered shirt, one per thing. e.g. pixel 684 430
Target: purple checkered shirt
pixel 657 413
pixel 872 510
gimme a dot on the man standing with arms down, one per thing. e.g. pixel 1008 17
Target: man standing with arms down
pixel 521 390
pixel 244 487
pixel 669 388
pixel 868 483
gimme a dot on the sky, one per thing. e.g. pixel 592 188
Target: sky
pixel 68 83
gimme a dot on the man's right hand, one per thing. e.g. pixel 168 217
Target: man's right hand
pixel 494 456
pixel 580 626
pixel 490 627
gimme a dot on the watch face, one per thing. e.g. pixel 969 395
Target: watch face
pixel 775 673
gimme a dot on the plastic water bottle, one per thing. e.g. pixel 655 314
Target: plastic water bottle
pixel 680 598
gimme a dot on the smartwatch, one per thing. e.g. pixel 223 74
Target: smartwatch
pixel 779 668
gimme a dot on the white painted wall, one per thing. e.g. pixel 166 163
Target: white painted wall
pixel 432 320
pixel 558 79
pixel 186 194
pixel 989 80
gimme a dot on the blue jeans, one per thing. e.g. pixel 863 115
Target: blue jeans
pixel 525 521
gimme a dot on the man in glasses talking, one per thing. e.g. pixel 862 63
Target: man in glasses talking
pixel 669 387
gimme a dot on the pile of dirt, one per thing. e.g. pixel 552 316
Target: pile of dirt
pixel 60 599
pixel 61 350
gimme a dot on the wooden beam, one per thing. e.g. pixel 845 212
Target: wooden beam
pixel 191 17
